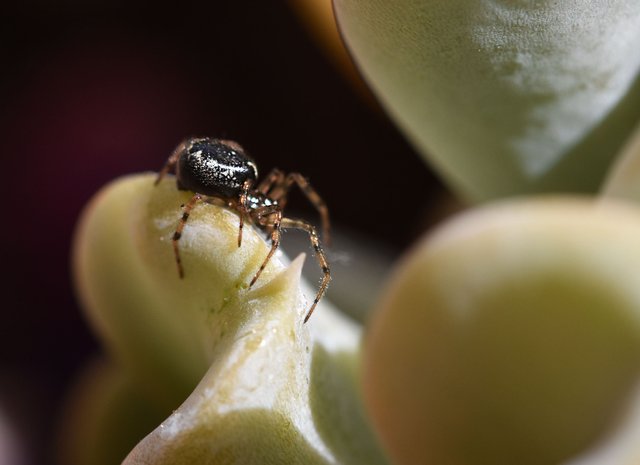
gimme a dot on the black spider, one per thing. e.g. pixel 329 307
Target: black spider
pixel 220 171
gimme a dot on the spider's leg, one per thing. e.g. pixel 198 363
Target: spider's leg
pixel 274 225
pixel 171 161
pixel 178 234
pixel 242 208
pixel 281 190
pixel 320 256
pixel 274 178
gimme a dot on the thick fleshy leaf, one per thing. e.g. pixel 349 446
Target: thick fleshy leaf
pixel 512 336
pixel 274 390
pixel 504 97
pixel 623 180
pixel 104 417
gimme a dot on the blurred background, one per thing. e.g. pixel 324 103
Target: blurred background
pixel 95 90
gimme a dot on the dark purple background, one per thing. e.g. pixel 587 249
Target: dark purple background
pixel 96 90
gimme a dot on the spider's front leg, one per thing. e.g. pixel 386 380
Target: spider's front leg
pixel 274 178
pixel 178 234
pixel 320 256
pixel 279 189
pixel 242 208
pixel 271 217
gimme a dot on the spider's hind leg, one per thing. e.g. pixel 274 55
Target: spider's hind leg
pixel 171 162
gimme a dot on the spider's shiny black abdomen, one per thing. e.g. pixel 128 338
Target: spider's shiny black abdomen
pixel 214 167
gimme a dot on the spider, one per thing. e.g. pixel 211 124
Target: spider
pixel 220 172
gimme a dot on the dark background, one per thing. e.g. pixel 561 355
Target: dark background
pixel 92 91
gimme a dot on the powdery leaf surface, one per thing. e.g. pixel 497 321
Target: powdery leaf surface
pixel 504 97
pixel 260 387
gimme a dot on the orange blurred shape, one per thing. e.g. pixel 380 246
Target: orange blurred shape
pixel 318 17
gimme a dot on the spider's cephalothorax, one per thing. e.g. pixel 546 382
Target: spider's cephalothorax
pixel 220 172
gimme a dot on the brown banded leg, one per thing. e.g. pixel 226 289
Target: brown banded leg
pixel 274 178
pixel 171 161
pixel 263 216
pixel 281 190
pixel 242 208
pixel 320 256
pixel 178 234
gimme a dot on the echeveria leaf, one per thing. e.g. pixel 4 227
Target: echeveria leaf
pixel 504 97
pixel 512 336
pixel 266 387
pixel 623 180
pixel 104 417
